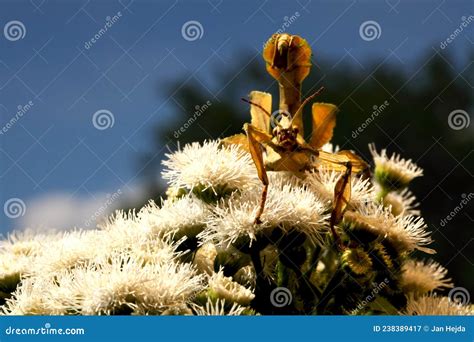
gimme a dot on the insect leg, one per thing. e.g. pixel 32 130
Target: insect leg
pixel 342 195
pixel 263 199
pixel 256 138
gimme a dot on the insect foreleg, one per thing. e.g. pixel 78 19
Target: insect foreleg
pixel 342 195
pixel 256 138
pixel 261 207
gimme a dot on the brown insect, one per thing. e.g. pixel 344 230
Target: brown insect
pixel 288 60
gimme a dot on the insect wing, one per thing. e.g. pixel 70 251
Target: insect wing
pixel 261 115
pixel 358 164
pixel 237 139
pixel 324 121
pixel 337 161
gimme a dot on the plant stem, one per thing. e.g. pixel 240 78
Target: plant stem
pixel 381 194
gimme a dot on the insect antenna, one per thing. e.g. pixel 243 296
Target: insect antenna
pixel 305 102
pixel 256 105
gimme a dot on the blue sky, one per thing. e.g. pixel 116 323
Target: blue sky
pixel 54 149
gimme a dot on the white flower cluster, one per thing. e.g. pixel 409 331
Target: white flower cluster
pixel 192 253
pixel 119 269
pixel 209 167
pixel 288 206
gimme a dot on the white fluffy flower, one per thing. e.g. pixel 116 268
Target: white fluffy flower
pixel 324 181
pixel 27 243
pixel 218 307
pixel 209 166
pixel 419 277
pixel 12 269
pixel 411 233
pixel 28 299
pixel 402 202
pixel 185 216
pixel 18 255
pixel 205 257
pixel 123 232
pixel 134 234
pixel 393 173
pixel 119 284
pixel 436 306
pixel 404 233
pixel 155 251
pixel 124 227
pixel 225 288
pixel 288 207
pixel 73 249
